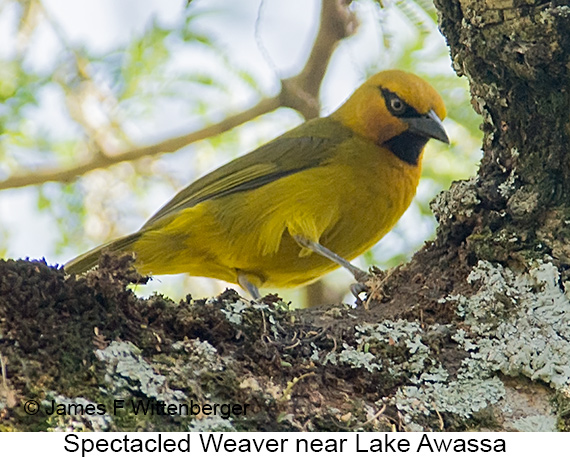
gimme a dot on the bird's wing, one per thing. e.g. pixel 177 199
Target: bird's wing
pixel 302 148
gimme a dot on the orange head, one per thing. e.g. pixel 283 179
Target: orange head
pixel 393 103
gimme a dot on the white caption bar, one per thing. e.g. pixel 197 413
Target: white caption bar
pixel 74 444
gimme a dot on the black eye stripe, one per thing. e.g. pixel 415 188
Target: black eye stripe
pixel 408 111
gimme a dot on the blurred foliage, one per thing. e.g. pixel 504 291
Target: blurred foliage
pixel 79 101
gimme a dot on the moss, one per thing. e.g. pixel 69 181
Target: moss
pixel 562 405
pixel 332 368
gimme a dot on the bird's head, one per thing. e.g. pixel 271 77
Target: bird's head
pixel 398 110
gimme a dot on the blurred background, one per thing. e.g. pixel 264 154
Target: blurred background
pixel 81 81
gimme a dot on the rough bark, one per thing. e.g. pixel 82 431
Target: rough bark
pixel 473 333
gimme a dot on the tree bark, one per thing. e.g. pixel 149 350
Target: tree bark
pixel 516 56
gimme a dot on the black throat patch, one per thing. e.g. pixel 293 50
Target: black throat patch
pixel 407 146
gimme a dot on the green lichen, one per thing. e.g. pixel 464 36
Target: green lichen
pixel 536 424
pixel 75 419
pixel 234 311
pixel 522 322
pixel 399 344
pixel 212 424
pixel 353 358
pixel 127 373
pixel 462 398
pixel 474 388
pixel 430 390
pixel 254 315
pixel 457 203
pixel 519 324
pixel 392 347
pixel 203 357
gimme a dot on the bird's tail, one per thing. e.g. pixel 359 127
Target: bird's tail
pixel 91 258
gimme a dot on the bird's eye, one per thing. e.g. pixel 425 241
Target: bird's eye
pixel 397 105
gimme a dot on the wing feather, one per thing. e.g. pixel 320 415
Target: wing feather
pixel 307 146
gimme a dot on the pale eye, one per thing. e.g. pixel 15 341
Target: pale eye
pixel 397 105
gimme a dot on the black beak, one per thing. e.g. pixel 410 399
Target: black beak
pixel 428 125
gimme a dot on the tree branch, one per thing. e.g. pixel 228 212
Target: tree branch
pixel 299 92
pixel 170 145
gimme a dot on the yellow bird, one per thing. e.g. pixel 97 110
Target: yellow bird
pixel 302 204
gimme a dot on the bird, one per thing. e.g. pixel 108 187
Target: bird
pixel 302 204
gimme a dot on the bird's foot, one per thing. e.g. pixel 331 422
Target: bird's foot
pixel 363 285
pixel 357 289
pixel 373 284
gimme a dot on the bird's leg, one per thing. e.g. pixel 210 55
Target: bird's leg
pixel 360 275
pixel 247 285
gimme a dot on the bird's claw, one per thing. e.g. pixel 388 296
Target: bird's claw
pixel 358 288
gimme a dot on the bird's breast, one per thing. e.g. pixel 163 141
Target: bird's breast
pixel 374 189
